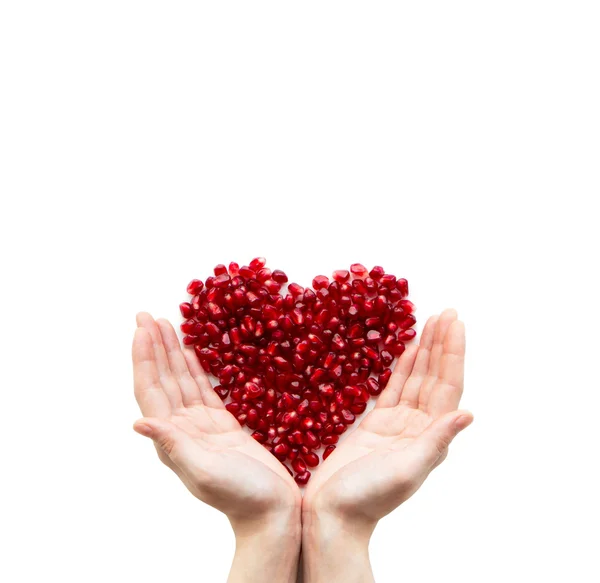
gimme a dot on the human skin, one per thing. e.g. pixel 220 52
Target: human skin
pixel 376 468
pixel 219 463
pixel 387 458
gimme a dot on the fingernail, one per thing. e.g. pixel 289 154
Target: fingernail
pixel 462 422
pixel 143 429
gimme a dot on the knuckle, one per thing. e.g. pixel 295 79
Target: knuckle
pixel 166 444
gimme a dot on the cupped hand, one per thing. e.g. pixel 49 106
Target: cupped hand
pixel 395 447
pixel 196 436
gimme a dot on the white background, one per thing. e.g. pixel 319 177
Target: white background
pixel 454 143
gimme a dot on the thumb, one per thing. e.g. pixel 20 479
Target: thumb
pixel 165 434
pixel 434 441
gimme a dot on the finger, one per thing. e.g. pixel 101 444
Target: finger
pixel 447 391
pixel 391 394
pixel 433 443
pixel 170 386
pixel 410 392
pixel 209 397
pixel 146 381
pixel 443 324
pixel 190 392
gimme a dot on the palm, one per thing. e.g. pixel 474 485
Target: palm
pixel 206 446
pixel 379 465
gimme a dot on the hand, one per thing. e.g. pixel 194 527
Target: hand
pixel 389 455
pixel 206 447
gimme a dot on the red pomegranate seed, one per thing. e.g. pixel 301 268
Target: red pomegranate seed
pixel 311 459
pixel 296 437
pixel 328 451
pixel 195 287
pixel 373 336
pixel 358 270
pixel 223 392
pixel 376 273
pixel 281 451
pixel 405 335
pixel 407 322
pixel 402 287
pixel 348 417
pixel 253 391
pixel 320 281
pixel 188 326
pixel 295 289
pixel 370 352
pixel 298 465
pixel 311 440
pixel 186 309
pixel 279 276
pixel 302 478
pixel 358 408
pixel 397 348
pixel 373 386
pixel 341 275
pixel 338 342
pixel 260 437
pixel 384 377
pixel 257 263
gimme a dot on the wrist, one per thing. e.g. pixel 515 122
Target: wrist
pixel 267 547
pixel 283 524
pixel 335 548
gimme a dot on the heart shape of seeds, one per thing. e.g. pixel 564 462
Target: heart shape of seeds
pixel 297 365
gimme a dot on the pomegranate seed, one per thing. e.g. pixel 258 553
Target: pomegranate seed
pixel 302 478
pixel 223 392
pixel 328 451
pixel 311 459
pixel 341 275
pixel 295 289
pixel 338 342
pixel 195 287
pixel 386 358
pixel 320 281
pixel 358 270
pixel 376 273
pixel 188 326
pixel 405 335
pixel 298 465
pixel 348 417
pixel 258 263
pixel 186 309
pixel 373 336
pixel 388 280
pixel 311 440
pixel 281 450
pixel 373 386
pixel 279 276
pixel 358 408
pixel 397 349
pixel 384 377
pixel 370 352
pixel 297 316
